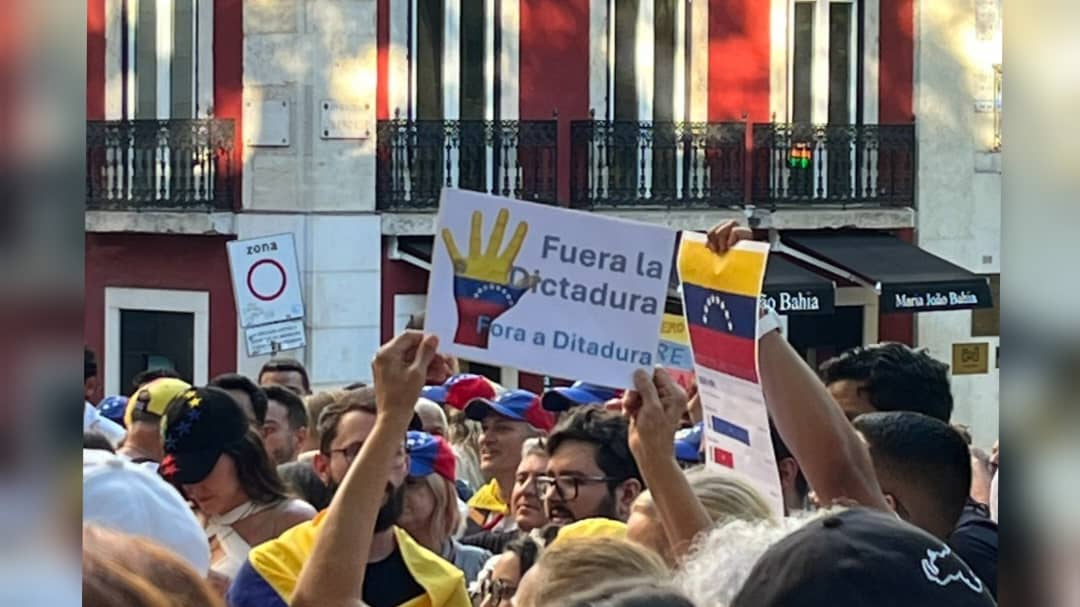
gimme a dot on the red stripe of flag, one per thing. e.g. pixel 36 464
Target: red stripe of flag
pixel 724 458
pixel 724 352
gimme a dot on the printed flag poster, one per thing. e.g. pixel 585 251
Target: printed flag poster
pixel 721 296
pixel 545 289
pixel 674 353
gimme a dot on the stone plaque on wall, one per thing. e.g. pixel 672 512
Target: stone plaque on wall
pixel 345 121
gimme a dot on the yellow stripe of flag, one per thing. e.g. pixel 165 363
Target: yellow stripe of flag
pixel 738 271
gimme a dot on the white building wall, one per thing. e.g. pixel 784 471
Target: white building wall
pixel 959 181
pixel 322 190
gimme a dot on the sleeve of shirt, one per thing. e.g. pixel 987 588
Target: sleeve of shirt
pixel 977 546
pixel 249 589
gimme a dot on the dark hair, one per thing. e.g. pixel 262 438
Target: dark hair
pixel 639 592
pixel 89 364
pixel 302 481
pixel 362 399
pixel 607 431
pixel 296 412
pixel 144 377
pixel 256 472
pixel 920 451
pixel 527 551
pixel 95 440
pixel 781 451
pixel 242 383
pixel 896 378
pixel 355 385
pixel 287 364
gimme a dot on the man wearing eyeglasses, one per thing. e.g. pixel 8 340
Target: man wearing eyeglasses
pixel 591 472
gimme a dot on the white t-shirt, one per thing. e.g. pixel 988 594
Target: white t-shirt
pixel 994 497
pixel 93 420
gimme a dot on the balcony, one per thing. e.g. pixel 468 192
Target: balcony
pixel 804 164
pixel 617 164
pixel 416 159
pixel 139 165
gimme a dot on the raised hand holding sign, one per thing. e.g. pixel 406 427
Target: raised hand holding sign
pixel 482 281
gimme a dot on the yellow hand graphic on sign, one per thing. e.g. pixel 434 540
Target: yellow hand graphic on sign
pixel 489 266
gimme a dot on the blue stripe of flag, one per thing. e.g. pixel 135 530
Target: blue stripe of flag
pixel 714 309
pixel 723 426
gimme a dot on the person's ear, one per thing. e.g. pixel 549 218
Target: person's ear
pixel 321 464
pixel 789 471
pixel 625 494
pixel 891 501
pixel 301 435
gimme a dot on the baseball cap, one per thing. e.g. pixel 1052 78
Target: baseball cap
pixel 578 394
pixel 688 443
pixel 430 454
pixel 518 405
pixel 124 496
pixel 113 408
pixel 460 389
pixel 861 557
pixel 592 527
pixel 154 397
pixel 199 424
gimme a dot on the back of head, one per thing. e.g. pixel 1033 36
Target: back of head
pixel 607 431
pixel 120 569
pixel 632 592
pixel 144 377
pixel 570 565
pixel 302 481
pixel 295 411
pixel 284 364
pixel 895 377
pixel 121 495
pixel 859 557
pixel 727 497
pixel 921 459
pixel 432 416
pixel 243 383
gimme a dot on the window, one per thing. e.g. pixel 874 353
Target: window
pixel 155 340
pixel 822 61
pixel 165 58
pixel 987 321
pixel 152 328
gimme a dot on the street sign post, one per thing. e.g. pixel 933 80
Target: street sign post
pixel 266 287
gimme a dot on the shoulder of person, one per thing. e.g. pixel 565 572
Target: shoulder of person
pixel 296 511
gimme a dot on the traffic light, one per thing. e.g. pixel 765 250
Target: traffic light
pixel 800 156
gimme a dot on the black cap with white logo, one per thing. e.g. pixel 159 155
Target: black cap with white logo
pixel 861 557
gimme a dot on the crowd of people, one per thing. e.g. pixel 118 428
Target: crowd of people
pixel 432 487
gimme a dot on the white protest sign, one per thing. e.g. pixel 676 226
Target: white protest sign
pixel 546 289
pixel 721 305
pixel 266 281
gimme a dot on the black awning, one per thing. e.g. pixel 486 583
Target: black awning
pixel 792 289
pixel 908 278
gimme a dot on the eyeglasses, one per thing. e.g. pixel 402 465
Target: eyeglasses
pixel 349 453
pixel 567 486
pixel 496 591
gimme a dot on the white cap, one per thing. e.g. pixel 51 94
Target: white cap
pixel 124 496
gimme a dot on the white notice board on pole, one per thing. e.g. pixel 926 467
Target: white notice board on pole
pixel 266 286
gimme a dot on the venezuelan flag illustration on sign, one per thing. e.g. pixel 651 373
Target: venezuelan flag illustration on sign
pixel 720 302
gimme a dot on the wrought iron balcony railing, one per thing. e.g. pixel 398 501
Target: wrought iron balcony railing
pixel 160 164
pixel 797 164
pixel 656 164
pixel 416 159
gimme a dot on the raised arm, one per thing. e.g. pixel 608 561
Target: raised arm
pixel 334 572
pixel 653 409
pixel 833 458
